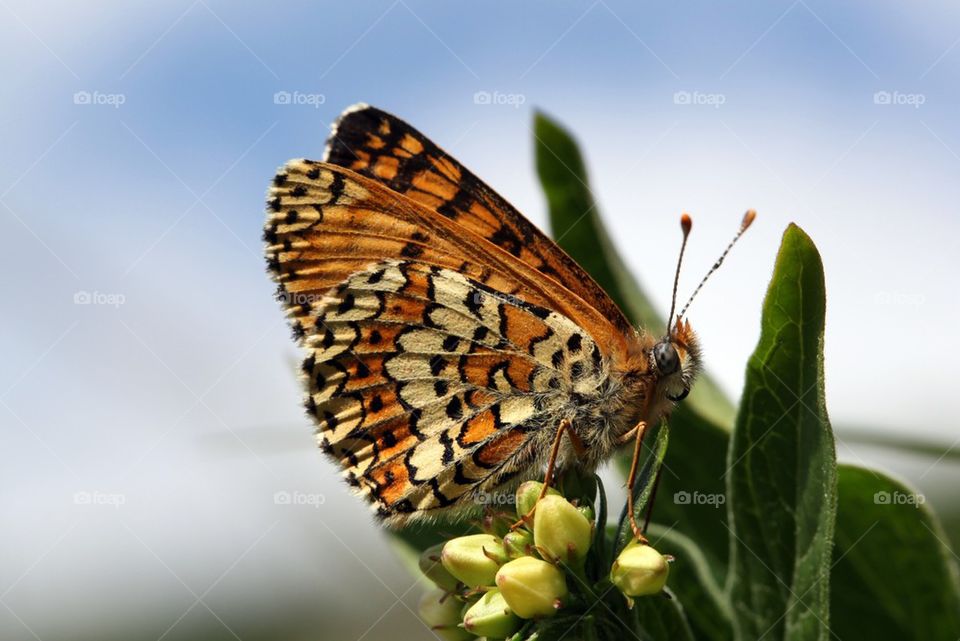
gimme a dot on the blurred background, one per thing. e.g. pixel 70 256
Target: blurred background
pixel 159 478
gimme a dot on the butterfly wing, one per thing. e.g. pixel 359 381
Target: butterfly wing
pixel 440 364
pixel 326 222
pixel 385 148
pixel 430 388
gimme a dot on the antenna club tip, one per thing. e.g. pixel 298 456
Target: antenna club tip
pixel 748 219
pixel 686 223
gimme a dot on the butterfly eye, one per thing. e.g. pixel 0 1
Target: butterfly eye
pixel 668 361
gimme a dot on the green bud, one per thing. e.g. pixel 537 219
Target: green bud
pixel 441 612
pixel 433 569
pixel 639 570
pixel 532 587
pixel 527 495
pixel 518 543
pixel 491 617
pixel 474 559
pixel 560 531
pixel 587 512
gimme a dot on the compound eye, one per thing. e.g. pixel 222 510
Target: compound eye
pixel 668 361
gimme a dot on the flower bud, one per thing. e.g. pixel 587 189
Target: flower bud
pixel 433 569
pixel 518 543
pixel 473 559
pixel 532 587
pixel 527 495
pixel 560 531
pixel 441 612
pixel 491 617
pixel 639 570
pixel 587 512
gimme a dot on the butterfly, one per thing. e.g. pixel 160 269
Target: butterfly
pixel 453 349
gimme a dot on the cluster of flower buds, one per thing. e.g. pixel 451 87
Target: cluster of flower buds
pixel 490 584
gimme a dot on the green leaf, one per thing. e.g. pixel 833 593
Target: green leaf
pixel 657 618
pixel 782 482
pixel 692 579
pixel 578 229
pixel 894 577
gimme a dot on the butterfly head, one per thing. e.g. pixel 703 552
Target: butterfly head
pixel 676 361
pixel 676 357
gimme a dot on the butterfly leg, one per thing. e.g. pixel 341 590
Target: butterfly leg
pixel 639 432
pixel 566 427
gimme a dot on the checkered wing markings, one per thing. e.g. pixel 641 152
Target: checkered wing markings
pixel 325 222
pixel 428 386
pixel 385 148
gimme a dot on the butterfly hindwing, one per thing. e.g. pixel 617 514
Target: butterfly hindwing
pixel 429 387
pixel 387 149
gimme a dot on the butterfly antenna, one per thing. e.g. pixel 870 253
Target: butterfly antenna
pixel 747 220
pixel 685 224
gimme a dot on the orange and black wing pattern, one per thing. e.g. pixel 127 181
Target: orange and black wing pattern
pixel 439 365
pixel 383 147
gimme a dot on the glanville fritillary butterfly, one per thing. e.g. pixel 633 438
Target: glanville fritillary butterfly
pixel 453 349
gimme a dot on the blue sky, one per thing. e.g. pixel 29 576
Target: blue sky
pixel 139 141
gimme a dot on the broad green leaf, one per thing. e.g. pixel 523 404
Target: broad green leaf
pixel 692 579
pixel 657 618
pixel 578 229
pixel 782 483
pixel 894 577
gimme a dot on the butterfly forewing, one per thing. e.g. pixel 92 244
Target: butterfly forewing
pixel 387 149
pixel 326 222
